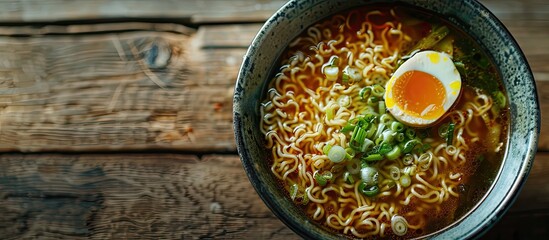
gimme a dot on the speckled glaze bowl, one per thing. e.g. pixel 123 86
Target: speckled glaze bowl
pixel 474 19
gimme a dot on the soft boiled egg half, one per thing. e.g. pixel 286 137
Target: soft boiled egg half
pixel 423 88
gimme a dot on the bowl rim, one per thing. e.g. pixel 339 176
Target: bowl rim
pixel 484 225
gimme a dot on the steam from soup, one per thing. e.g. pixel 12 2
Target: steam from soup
pixel 317 96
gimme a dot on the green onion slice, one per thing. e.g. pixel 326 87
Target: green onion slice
pixel 394 173
pixel 378 90
pixel 408 159
pixel 323 178
pixel 337 154
pixel 399 225
pixel 326 149
pixel 348 177
pixel 405 180
pixel 293 191
pixel 365 93
pixel 373 157
pixel 450 134
pixel 369 176
pixel 369 191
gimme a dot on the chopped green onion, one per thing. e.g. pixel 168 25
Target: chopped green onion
pixel 334 61
pixel 344 101
pixel 326 149
pixel 385 148
pixel 386 119
pixel 369 110
pixel 410 133
pixel 366 144
pixel 394 173
pixel 405 180
pixel 443 130
pixel 409 146
pixel 336 169
pixel 378 90
pixel 432 39
pixel 409 170
pixel 348 177
pixel 365 93
pixel 400 137
pixel 445 45
pixel 354 74
pixel 461 69
pixel 408 159
pixel 349 127
pixel 330 112
pixel 372 101
pixel 336 154
pixel 397 126
pixel 388 136
pixel 331 69
pixel 390 183
pixel 381 107
pixel 323 178
pixel 500 99
pixel 298 195
pixel 399 225
pixel 331 72
pixel 293 191
pixel 369 176
pixel 378 140
pixel 320 180
pixel 371 131
pixel 350 153
pixel 345 78
pixel 305 197
pixel 373 157
pixel 425 147
pixel 450 134
pixel 380 128
pixel 357 138
pixel 369 191
pixel 354 166
pixel 394 153
pixel 424 161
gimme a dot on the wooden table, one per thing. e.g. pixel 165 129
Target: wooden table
pixel 116 120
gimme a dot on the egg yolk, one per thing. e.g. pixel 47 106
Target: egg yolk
pixel 420 94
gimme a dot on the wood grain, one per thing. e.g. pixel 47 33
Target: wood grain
pixel 145 196
pixel 130 90
pixel 193 11
pixel 167 196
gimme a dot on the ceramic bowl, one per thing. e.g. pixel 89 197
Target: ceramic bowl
pixel 474 19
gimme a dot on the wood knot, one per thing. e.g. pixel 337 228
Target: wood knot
pixel 215 207
pixel 158 55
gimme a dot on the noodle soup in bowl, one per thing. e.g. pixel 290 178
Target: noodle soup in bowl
pixel 386 119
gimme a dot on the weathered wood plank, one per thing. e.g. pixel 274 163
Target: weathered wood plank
pixel 145 196
pixel 166 196
pixel 128 90
pixel 229 35
pixel 543 97
pixel 200 11
pixel 195 11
